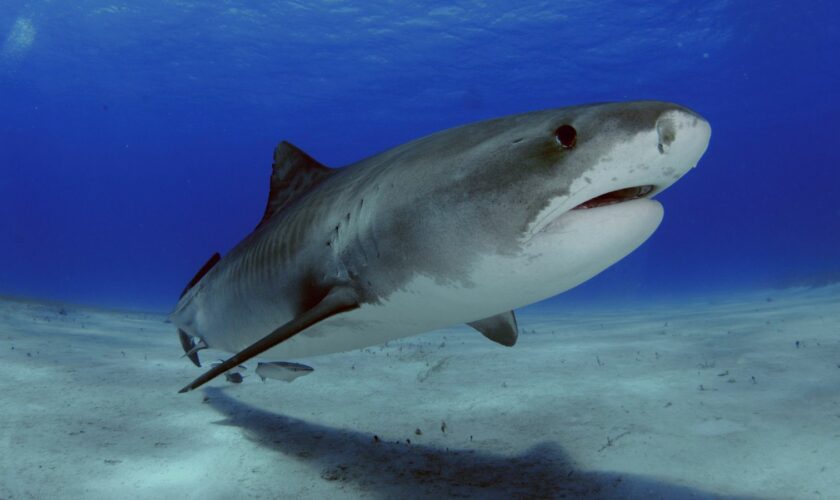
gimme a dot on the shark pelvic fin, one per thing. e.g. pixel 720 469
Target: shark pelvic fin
pixel 338 300
pixel 190 346
pixel 500 328
pixel 192 352
pixel 293 174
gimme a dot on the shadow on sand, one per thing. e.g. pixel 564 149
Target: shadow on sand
pixel 378 468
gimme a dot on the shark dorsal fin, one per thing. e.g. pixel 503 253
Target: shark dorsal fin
pixel 293 174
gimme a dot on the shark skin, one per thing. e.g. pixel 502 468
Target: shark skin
pixel 462 226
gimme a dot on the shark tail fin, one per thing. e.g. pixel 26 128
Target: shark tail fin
pixel 212 261
pixel 338 300
pixel 188 343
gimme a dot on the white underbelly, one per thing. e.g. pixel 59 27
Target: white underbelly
pixel 579 246
pixel 421 307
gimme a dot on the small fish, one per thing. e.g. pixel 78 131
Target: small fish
pixel 233 375
pixel 233 369
pixel 282 370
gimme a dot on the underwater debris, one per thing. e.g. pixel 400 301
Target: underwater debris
pixel 335 474
pixel 438 366
pixel 612 441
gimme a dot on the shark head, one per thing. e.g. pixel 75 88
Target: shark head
pixel 537 203
pixel 610 160
pixel 609 154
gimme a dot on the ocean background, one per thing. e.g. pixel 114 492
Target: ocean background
pixel 136 137
pixel 136 140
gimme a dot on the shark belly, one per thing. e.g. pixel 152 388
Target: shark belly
pixel 569 252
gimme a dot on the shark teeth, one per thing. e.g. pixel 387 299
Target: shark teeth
pixel 617 196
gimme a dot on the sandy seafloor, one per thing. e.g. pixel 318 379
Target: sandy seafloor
pixel 734 396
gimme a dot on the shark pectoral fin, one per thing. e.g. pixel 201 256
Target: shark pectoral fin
pixel 190 346
pixel 339 299
pixel 500 328
pixel 282 370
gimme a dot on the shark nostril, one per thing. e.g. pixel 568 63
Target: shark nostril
pixel 667 132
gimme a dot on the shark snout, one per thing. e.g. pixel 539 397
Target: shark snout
pixel 684 134
pixel 649 163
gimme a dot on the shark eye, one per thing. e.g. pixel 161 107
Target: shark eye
pixel 566 135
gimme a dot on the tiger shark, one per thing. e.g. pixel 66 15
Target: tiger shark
pixel 461 226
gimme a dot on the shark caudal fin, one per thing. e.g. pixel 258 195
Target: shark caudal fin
pixel 212 261
pixel 188 343
pixel 338 300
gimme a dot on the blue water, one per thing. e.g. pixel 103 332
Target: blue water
pixel 136 137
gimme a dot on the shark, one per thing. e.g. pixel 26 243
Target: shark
pixel 465 225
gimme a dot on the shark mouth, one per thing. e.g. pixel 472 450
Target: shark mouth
pixel 617 196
